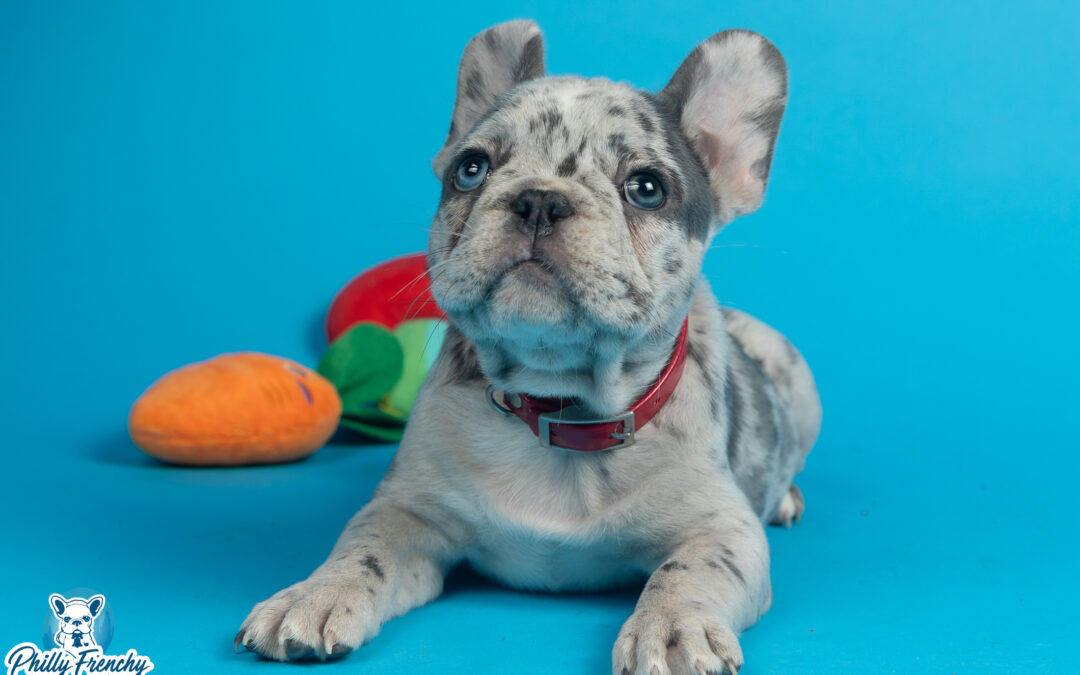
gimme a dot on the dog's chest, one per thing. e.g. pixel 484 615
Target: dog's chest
pixel 556 520
pixel 550 533
pixel 522 558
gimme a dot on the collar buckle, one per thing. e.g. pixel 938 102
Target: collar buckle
pixel 545 420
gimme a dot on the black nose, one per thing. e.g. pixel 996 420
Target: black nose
pixel 539 210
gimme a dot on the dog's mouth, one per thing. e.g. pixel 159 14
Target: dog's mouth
pixel 535 270
pixel 522 275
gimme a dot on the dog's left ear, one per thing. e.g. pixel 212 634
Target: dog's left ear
pixel 729 96
pixel 58 604
pixel 95 604
pixel 494 60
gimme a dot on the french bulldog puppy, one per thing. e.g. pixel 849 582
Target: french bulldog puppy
pixel 76 618
pixel 566 253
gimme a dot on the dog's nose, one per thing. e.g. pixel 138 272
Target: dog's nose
pixel 539 210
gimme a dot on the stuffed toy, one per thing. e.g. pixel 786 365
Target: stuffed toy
pixel 384 330
pixel 245 408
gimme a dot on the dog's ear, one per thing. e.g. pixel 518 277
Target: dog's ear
pixel 95 604
pixel 729 95
pixel 58 604
pixel 494 60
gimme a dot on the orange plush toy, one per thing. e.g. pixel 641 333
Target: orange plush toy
pixel 245 408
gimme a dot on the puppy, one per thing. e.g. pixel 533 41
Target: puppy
pixel 594 417
pixel 76 617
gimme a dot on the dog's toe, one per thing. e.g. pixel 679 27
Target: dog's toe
pixel 295 649
pixel 675 644
pixel 791 508
pixel 309 620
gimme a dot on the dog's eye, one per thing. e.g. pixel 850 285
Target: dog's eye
pixel 86 619
pixel 67 619
pixel 471 172
pixel 644 190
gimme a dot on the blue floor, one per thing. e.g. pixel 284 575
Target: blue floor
pixel 180 181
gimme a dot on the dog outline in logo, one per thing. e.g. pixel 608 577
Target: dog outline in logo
pixel 76 618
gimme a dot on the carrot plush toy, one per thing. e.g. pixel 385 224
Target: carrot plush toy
pixel 384 331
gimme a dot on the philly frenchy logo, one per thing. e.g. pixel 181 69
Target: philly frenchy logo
pixel 76 651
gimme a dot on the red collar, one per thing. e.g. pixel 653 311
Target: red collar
pixel 568 431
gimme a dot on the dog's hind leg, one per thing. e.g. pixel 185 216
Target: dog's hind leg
pixel 785 368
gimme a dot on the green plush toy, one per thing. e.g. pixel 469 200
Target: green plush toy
pixel 385 331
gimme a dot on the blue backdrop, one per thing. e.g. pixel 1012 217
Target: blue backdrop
pixel 179 180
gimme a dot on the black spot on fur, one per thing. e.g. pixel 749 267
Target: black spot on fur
pixel 696 350
pixel 673 639
pixel 616 111
pixel 645 123
pixel 617 144
pixel 372 563
pixel 735 413
pixel 674 565
pixel 567 167
pixel 474 85
pixel 734 570
pixel 635 294
pixel 504 153
pixel 550 120
pixel 531 63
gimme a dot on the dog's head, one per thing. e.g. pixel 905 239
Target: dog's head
pixel 76 614
pixel 575 212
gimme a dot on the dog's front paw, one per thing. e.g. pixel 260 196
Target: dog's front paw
pixel 675 643
pixel 313 618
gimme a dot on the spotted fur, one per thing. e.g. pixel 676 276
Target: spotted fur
pixel 556 285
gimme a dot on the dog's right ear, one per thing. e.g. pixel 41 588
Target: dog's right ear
pixel 95 604
pixel 58 604
pixel 729 96
pixel 494 60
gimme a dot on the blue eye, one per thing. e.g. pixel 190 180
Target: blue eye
pixel 644 190
pixel 471 172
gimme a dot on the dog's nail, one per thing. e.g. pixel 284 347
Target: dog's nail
pixel 339 649
pixel 296 649
pixel 238 640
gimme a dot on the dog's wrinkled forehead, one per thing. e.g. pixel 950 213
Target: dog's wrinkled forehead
pixel 588 130
pixel 564 117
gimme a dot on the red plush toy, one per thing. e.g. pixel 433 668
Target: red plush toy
pixel 385 331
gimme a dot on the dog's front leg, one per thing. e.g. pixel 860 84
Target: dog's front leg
pixel 388 560
pixel 711 587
